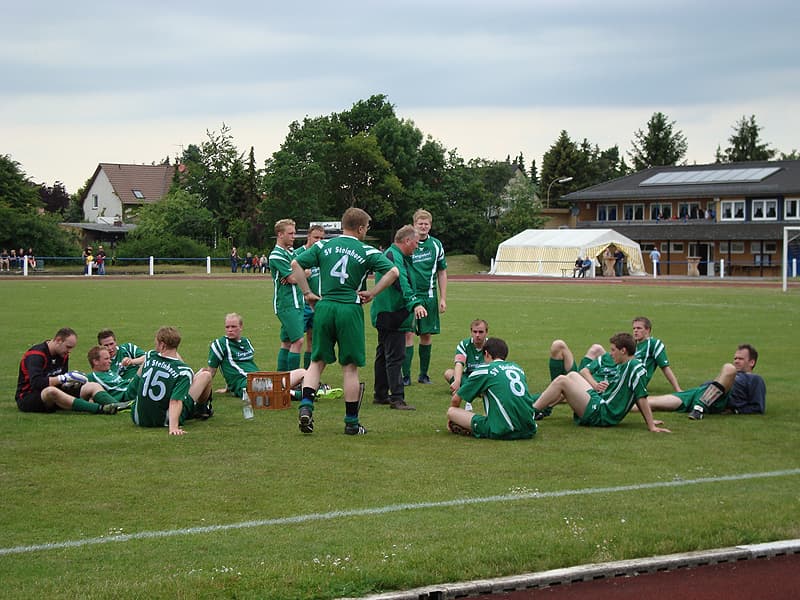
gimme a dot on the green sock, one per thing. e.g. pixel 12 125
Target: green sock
pixel 104 398
pixel 292 361
pixel 424 359
pixel 306 359
pixel 81 405
pixel 556 368
pixel 407 361
pixel 283 358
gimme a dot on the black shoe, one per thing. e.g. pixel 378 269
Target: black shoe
pixel 406 380
pixel 424 379
pixel 204 411
pixel 458 429
pixel 381 401
pixel 697 413
pixel 306 420
pixel 538 415
pixel 401 405
pixel 355 429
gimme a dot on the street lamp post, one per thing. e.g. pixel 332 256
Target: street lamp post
pixel 556 180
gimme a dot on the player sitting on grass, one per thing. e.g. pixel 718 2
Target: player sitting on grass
pixel 607 407
pixel 736 390
pixel 104 386
pixel 507 402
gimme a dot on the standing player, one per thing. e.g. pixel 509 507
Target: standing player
pixel 44 369
pixel 125 358
pixel 168 392
pixel 316 233
pixel 507 402
pixel 429 275
pixel 344 264
pixel 287 301
pixel 609 407
pixel 652 352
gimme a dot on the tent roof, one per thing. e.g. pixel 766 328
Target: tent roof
pixel 571 238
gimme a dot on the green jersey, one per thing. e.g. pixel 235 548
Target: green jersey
pixel 162 379
pixel 313 278
pixel 507 402
pixel 426 261
pixel 602 368
pixel 625 387
pixel 126 350
pixel 235 359
pixel 468 355
pixel 393 310
pixel 652 353
pixel 285 295
pixel 111 382
pixel 344 263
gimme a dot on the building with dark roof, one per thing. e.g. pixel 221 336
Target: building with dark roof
pixel 733 211
pixel 116 190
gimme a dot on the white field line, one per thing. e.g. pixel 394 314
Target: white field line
pixel 337 514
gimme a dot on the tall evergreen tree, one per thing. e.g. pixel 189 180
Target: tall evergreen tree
pixel 745 142
pixel 661 145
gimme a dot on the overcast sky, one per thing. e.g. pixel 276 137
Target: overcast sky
pixel 89 82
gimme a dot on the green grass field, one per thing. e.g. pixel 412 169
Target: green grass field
pixel 96 508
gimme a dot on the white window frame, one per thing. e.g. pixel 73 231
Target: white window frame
pixel 95 202
pixel 735 247
pixel 659 207
pixel 769 248
pixel 676 247
pixel 634 208
pixel 791 202
pixel 764 204
pixel 607 208
pixel 733 206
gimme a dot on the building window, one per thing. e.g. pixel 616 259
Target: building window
pixel 690 210
pixel 664 247
pixel 765 210
pixel 735 247
pixel 138 194
pixel 765 248
pixel 95 202
pixel 660 212
pixel 732 210
pixel 607 212
pixel 633 212
pixel 791 208
pixel 677 247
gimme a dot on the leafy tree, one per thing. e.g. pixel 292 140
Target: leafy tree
pixel 662 145
pixel 178 214
pixel 55 199
pixel 793 155
pixel 16 191
pixel 745 142
pixel 521 211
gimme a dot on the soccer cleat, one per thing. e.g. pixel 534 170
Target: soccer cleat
pixel 108 409
pixel 306 421
pixel 323 387
pixel 406 380
pixel 458 429
pixel 401 405
pixel 424 379
pixel 122 406
pixel 538 415
pixel 355 429
pixel 330 393
pixel 697 413
pixel 204 411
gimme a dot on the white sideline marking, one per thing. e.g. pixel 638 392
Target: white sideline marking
pixel 387 509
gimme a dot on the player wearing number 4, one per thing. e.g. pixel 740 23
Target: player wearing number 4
pixel 507 402
pixel 344 263
pixel 167 391
pixel 44 371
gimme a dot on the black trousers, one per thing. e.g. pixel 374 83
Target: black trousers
pixel 389 357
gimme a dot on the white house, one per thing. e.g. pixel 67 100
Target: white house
pixel 115 190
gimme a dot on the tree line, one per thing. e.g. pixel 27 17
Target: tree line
pixel 367 157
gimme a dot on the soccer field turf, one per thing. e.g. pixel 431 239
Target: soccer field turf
pixel 96 508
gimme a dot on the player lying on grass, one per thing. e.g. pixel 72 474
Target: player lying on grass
pixel 736 390
pixel 624 388
pixel 507 402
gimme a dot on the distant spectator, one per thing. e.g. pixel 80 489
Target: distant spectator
pixel 247 263
pixel 264 263
pixel 88 260
pixel 12 260
pixel 234 259
pixel 619 262
pixel 256 262
pixel 5 263
pixel 100 260
pixel 655 256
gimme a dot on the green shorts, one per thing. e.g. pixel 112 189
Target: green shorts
pixel 308 318
pixel 480 429
pixel 595 414
pixel 292 326
pixel 429 324
pixel 342 325
pixel 689 398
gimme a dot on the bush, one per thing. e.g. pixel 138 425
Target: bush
pixel 486 246
pixel 161 246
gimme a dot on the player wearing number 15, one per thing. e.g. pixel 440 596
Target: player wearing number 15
pixel 507 402
pixel 167 391
pixel 344 263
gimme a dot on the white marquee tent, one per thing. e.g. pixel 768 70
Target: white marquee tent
pixel 549 252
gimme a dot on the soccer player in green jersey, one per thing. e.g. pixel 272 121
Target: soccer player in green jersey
pixel 469 354
pixel 609 407
pixel 344 263
pixel 104 385
pixel 316 233
pixel 429 276
pixel 652 352
pixel 287 301
pixel 125 358
pixel 508 405
pixel 167 391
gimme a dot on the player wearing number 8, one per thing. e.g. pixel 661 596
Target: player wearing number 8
pixel 507 402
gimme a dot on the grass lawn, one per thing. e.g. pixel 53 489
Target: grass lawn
pixel 96 508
